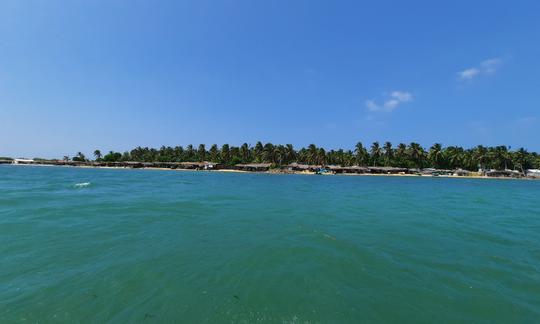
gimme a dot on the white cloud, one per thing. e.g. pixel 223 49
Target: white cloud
pixel 391 104
pixel 392 101
pixel 371 105
pixel 491 65
pixel 468 74
pixel 486 67
pixel 401 96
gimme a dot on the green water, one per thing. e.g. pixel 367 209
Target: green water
pixel 200 247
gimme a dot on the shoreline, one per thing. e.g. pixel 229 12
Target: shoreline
pixel 274 171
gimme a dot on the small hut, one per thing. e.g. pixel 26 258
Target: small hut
pixel 387 170
pixel 462 173
pixel 356 169
pixel 253 167
pixel 198 165
pixel 335 168
pixel 303 167
pixel 133 164
pixel 503 173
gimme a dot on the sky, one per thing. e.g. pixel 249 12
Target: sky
pixel 113 75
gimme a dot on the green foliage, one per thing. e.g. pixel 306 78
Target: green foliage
pixel 536 162
pixel 113 157
pixel 375 153
pixel 97 155
pixel 412 155
pixel 79 157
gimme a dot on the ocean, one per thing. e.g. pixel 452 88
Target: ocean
pixel 114 245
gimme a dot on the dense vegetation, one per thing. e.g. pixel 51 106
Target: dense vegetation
pixel 412 155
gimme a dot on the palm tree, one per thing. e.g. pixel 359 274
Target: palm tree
pixel 417 154
pixel 190 152
pixel 244 152
pixel 312 154
pixel 454 156
pixel 126 156
pixel 290 154
pixel 235 155
pixel 480 155
pixel 349 158
pixel 340 157
pixel 409 156
pixel 268 153
pixel 435 155
pixel 401 155
pixel 225 154
pixel 178 153
pixel 521 159
pixel 97 155
pixel 79 157
pixel 278 154
pixel 201 152
pixel 375 153
pixel 388 153
pixel 361 154
pixel 321 156
pixel 258 152
pixel 214 153
pixel 165 154
pixel 501 157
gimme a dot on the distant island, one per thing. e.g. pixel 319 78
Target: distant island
pixel 403 159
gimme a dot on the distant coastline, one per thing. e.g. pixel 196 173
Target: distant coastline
pixel 401 160
pixel 294 168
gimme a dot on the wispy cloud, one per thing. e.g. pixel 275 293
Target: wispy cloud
pixel 488 66
pixel 391 102
pixel 491 65
pixel 468 74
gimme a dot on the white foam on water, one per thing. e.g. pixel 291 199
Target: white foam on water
pixel 82 184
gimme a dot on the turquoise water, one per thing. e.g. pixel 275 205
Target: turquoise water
pixel 199 247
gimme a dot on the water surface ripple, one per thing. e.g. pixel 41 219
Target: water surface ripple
pixel 98 245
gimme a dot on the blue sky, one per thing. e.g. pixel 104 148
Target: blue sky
pixel 81 75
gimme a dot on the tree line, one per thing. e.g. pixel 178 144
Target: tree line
pixel 411 155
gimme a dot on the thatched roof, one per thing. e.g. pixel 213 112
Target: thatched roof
pixel 387 169
pixel 334 167
pixel 254 165
pixel 462 172
pixel 356 168
pixel 304 166
pixel 200 164
pixel 503 173
pixel 347 169
pixel 433 171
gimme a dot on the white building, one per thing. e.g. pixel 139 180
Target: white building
pixel 17 161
